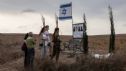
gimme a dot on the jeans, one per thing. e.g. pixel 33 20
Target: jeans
pixel 30 56
pixel 44 52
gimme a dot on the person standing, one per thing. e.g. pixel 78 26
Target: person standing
pixel 30 42
pixel 24 49
pixel 48 41
pixel 56 44
pixel 43 43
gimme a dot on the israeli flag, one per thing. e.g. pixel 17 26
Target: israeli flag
pixel 65 11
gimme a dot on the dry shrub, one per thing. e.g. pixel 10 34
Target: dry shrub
pixel 46 65
pixel 9 53
pixel 114 63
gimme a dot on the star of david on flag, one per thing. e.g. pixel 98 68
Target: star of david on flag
pixel 65 11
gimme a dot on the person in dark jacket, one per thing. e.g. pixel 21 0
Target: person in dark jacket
pixel 24 48
pixel 56 44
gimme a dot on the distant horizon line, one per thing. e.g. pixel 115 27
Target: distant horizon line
pixel 66 34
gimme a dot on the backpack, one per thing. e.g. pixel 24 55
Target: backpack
pixel 24 47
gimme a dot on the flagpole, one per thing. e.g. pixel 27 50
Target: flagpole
pixel 72 19
pixel 72 24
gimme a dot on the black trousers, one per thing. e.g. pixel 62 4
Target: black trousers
pixel 56 52
pixel 25 59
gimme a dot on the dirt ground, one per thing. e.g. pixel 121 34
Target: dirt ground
pixel 11 56
pixel 17 64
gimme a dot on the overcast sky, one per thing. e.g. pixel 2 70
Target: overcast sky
pixel 22 16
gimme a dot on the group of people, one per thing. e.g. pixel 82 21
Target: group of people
pixel 45 44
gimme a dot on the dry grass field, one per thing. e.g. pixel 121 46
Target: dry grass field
pixel 11 56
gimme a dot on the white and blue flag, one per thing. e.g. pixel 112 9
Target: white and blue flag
pixel 65 11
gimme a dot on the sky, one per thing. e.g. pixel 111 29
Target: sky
pixel 22 16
